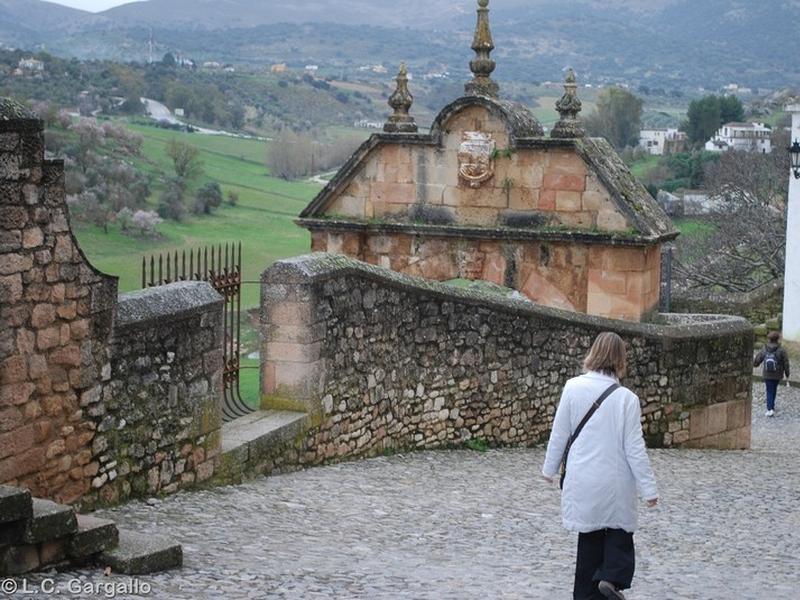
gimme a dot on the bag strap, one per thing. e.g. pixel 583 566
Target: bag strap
pixel 585 420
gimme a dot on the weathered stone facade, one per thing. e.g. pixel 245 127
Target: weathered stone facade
pixel 55 315
pixel 99 398
pixel 381 360
pixel 486 195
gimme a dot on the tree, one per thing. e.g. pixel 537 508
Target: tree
pixel 207 198
pixel 731 110
pixel 289 155
pixel 171 202
pixel 618 118
pixel 89 135
pixel 185 160
pixel 747 245
pixel 144 223
pixel 169 60
pixel 708 114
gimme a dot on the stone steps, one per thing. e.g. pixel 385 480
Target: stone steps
pixel 251 442
pixel 37 534
pixel 141 554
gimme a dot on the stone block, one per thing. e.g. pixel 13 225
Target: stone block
pixel 577 219
pixel 698 424
pixel 94 535
pixel 18 560
pixel 11 533
pixel 611 220
pixel 393 193
pixel 49 521
pixel 10 240
pixel 11 289
pixel 13 370
pixel 52 552
pixel 15 263
pixel 293 352
pixel 607 282
pixel 43 315
pixel 566 161
pixel 564 182
pixel 547 200
pixel 17 441
pixel 568 201
pixel 15 504
pixel 291 313
pixel 717 418
pixel 32 238
pixel 348 206
pixel 737 414
pixel 142 554
pixel 525 199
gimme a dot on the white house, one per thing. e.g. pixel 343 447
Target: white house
pixel 31 64
pixel 750 137
pixel 662 141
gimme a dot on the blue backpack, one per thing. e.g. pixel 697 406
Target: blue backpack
pixel 771 362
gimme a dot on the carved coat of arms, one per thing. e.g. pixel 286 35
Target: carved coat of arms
pixel 476 157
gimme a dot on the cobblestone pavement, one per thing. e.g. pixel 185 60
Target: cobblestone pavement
pixel 464 524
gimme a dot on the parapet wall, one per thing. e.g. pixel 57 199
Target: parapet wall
pixel 383 360
pixel 100 398
pixel 158 416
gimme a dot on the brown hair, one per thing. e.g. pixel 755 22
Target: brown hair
pixel 774 336
pixel 608 355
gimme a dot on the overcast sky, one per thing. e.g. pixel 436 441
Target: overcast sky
pixel 92 5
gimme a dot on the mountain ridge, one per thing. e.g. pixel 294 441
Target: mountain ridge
pixel 672 44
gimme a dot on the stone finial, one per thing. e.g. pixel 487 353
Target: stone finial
pixel 482 65
pixel 401 101
pixel 569 106
pixel 11 110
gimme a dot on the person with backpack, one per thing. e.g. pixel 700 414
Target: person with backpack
pixel 598 444
pixel 775 363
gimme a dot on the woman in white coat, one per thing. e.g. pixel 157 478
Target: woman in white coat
pixel 606 464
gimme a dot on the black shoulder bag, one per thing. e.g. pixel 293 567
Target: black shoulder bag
pixel 580 427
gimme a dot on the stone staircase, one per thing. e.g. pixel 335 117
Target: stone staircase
pixel 39 534
pixel 258 444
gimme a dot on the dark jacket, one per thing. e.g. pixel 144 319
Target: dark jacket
pixel 783 362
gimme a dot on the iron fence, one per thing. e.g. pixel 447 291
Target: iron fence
pixel 220 266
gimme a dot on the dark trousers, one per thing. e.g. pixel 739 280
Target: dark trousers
pixel 603 555
pixel 772 392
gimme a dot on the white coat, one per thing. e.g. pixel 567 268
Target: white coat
pixel 606 463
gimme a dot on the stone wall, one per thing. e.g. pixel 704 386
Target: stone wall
pixel 55 315
pixel 100 398
pixel 158 416
pixel 611 280
pixel 758 306
pixel 382 360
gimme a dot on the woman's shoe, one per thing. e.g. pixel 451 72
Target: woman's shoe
pixel 609 590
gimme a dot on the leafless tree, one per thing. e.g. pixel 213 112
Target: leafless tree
pixel 746 246
pixel 185 160
pixel 292 155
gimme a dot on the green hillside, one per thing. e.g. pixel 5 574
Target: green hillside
pixel 262 220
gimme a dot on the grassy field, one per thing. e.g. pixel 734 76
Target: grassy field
pixel 262 220
pixel 642 167
pixel 693 227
